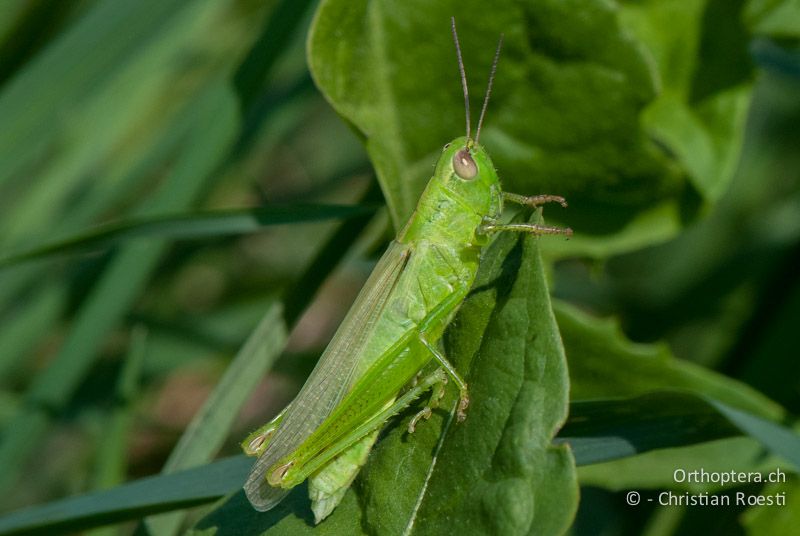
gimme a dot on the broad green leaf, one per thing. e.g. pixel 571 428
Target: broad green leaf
pixel 603 363
pixel 655 225
pixel 774 18
pixel 565 115
pixel 705 83
pixel 602 430
pixel 775 521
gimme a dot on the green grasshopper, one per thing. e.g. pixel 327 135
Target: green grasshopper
pixel 391 333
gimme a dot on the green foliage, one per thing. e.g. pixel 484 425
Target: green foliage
pixel 130 127
pixel 564 115
pixel 606 429
pixel 187 225
pixel 606 364
pixel 137 499
pixel 704 74
pixel 209 427
pixel 762 523
pixel 776 18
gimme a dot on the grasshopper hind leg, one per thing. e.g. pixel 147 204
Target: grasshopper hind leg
pixel 256 443
pixel 327 487
pixel 342 461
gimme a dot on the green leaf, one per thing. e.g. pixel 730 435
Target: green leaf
pixel 705 78
pixel 78 155
pixel 565 110
pixel 655 225
pixel 608 429
pixel 603 430
pixel 136 499
pixel 200 224
pixel 78 130
pixel 779 440
pixel 236 516
pixel 774 18
pixel 115 431
pixel 766 521
pixel 603 363
pixel 656 469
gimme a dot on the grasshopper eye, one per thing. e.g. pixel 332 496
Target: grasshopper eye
pixel 464 166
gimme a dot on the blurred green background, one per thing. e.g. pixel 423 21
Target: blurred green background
pixel 140 141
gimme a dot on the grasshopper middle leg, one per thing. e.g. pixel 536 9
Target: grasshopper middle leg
pixel 437 393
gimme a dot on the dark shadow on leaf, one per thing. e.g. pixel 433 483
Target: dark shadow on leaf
pixel 603 430
pixel 504 281
pixel 236 515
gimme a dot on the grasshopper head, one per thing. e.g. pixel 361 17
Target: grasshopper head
pixel 465 190
pixel 468 172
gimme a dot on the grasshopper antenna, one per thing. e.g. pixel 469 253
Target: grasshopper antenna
pixel 488 87
pixel 461 70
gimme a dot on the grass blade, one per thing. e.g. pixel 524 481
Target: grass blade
pixel 130 501
pixel 201 224
pixel 210 426
pixel 609 429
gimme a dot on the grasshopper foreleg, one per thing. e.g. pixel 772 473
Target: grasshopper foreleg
pixel 534 200
pixel 493 226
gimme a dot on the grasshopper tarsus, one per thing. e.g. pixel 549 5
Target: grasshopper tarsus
pixel 437 394
pixel 539 200
pixel 463 404
pixel 534 200
pixel 424 414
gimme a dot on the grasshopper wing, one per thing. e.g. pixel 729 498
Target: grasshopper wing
pixel 331 379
